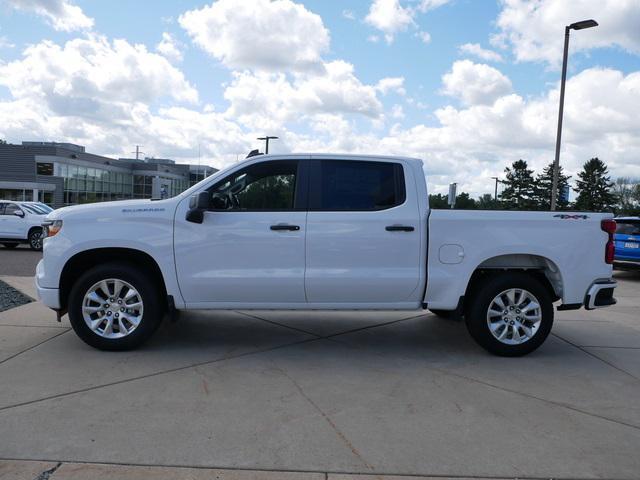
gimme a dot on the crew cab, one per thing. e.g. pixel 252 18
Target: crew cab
pixel 21 222
pixel 320 231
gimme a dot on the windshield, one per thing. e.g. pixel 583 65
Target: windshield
pixel 37 208
pixel 628 227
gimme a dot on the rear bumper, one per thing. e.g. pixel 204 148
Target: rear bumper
pixel 49 296
pixel 622 259
pixel 600 295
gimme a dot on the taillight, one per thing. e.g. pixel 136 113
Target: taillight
pixel 609 226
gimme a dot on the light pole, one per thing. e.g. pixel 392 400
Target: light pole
pixel 266 139
pixel 556 163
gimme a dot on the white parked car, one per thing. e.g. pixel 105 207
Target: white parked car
pixel 21 222
pixel 321 232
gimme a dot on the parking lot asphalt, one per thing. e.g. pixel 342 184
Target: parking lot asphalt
pixel 20 261
pixel 274 394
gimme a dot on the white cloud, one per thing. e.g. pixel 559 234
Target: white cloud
pixel 426 5
pixel 259 34
pixel 424 36
pixel 392 17
pixel 94 76
pixel 389 17
pixel 170 47
pixel 475 83
pixel 391 84
pixel 348 14
pixel 535 29
pixel 397 112
pixel 4 42
pixel 60 14
pixel 268 101
pixel 477 51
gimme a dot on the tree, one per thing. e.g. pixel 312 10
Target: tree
pixel 518 192
pixel 627 192
pixel 465 202
pixel 487 202
pixel 594 187
pixel 438 200
pixel 544 185
pixel 3 142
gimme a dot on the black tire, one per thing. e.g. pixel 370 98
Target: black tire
pixel 149 291
pixel 35 239
pixel 479 303
pixel 10 246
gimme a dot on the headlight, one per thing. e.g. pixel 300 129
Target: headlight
pixel 51 228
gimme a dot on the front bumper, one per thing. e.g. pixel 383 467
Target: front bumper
pixel 600 295
pixel 49 296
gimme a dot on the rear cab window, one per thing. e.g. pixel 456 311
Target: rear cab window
pixel 628 227
pixel 353 185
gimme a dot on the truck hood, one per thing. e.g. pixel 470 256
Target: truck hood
pixel 94 211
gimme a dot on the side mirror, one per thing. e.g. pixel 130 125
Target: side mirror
pixel 198 203
pixel 19 213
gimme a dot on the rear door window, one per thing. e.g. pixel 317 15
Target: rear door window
pixel 344 185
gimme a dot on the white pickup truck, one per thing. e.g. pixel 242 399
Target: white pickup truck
pixel 321 232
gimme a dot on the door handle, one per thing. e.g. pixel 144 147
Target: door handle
pixel 282 227
pixel 399 228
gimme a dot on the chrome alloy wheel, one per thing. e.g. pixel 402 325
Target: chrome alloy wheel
pixel 112 308
pixel 514 316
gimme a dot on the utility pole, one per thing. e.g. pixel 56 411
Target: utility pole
pixel 138 152
pixel 495 196
pixel 556 163
pixel 266 138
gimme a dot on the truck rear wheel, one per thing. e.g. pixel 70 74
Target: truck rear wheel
pixel 114 307
pixel 510 315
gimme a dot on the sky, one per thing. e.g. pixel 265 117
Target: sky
pixel 469 86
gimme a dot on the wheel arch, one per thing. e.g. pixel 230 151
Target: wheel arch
pixel 538 266
pixel 82 261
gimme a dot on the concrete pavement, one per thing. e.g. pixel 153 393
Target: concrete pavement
pixel 253 394
pixel 18 261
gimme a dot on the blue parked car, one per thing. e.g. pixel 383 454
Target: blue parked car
pixel 627 238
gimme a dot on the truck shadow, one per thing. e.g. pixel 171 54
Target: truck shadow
pixel 628 273
pixel 424 337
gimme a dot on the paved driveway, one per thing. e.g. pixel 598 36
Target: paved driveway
pixel 255 393
pixel 20 261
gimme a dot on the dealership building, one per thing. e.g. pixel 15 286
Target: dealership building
pixel 61 174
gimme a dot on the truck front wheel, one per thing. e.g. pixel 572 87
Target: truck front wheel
pixel 114 307
pixel 510 315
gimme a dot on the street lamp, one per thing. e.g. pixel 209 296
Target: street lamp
pixel 556 163
pixel 266 139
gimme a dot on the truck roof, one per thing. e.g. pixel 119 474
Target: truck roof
pixel 353 156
